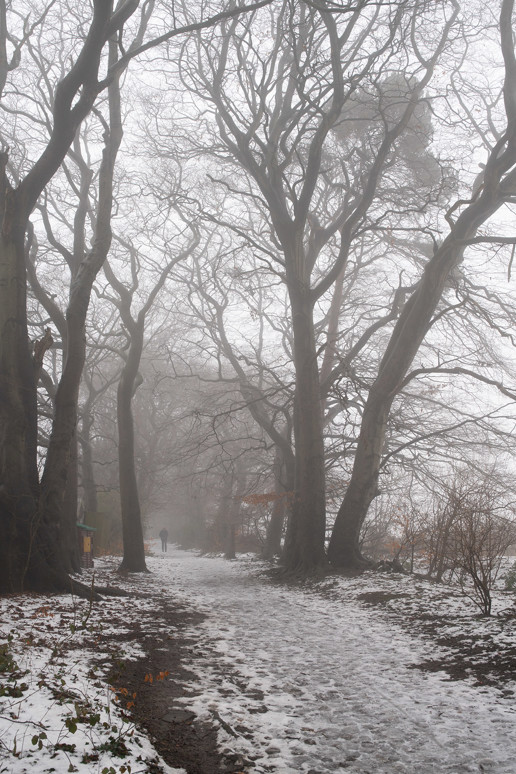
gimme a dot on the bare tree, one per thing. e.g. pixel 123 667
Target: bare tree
pixel 218 292
pixel 134 323
pixel 464 220
pixel 30 510
pixel 279 109
pixel 100 53
pixel 482 527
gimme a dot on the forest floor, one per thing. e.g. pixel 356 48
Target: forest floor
pixel 213 667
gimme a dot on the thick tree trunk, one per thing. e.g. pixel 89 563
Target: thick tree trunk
pixel 332 334
pixel 53 481
pixel 132 532
pixel 31 551
pixel 54 478
pixel 344 549
pixel 230 541
pixel 30 555
pixel 304 544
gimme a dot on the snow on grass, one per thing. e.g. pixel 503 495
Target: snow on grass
pixel 56 707
pixel 327 676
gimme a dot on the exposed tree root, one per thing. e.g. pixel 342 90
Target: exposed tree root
pixel 298 573
pixel 93 592
pixel 351 561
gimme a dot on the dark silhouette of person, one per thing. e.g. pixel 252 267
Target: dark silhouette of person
pixel 164 537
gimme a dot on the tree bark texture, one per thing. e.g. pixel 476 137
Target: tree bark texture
pixel 132 531
pixel 304 544
pixel 19 486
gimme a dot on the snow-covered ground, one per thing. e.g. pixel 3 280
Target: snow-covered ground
pixel 336 681
pixel 298 679
pixel 57 710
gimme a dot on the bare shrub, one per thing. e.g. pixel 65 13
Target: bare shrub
pixel 480 530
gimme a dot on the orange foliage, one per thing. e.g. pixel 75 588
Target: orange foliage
pixel 160 676
pixel 267 497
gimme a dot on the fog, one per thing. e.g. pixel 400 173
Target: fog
pixel 256 295
pixel 263 292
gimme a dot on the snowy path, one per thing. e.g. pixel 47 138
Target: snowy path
pixel 325 685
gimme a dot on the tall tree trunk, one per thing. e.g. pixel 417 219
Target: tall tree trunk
pixel 344 549
pixel 233 515
pixel 304 544
pixel 53 481
pixel 230 549
pixel 332 333
pixel 19 487
pixel 284 478
pixel 60 451
pixel 132 532
pixel 409 331
pixel 31 554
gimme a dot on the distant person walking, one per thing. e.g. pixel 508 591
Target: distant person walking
pixel 164 537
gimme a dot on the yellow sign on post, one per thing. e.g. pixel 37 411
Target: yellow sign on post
pixel 87 545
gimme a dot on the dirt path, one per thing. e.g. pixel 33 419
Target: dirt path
pixel 298 683
pixel 160 683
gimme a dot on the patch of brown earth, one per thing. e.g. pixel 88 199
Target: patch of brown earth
pixel 160 680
